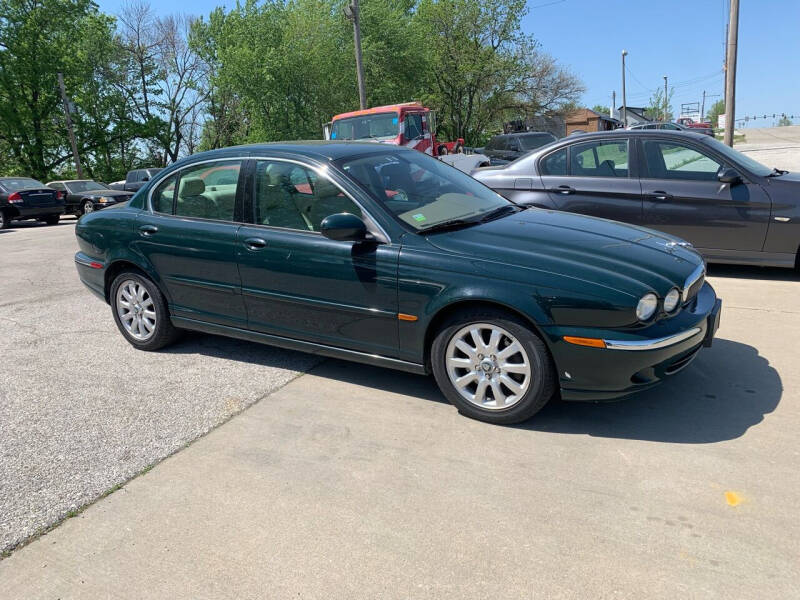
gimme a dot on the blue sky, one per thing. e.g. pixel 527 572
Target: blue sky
pixel 682 39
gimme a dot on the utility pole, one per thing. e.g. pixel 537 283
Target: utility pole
pixel 703 107
pixel 624 104
pixel 730 73
pixel 68 117
pixel 613 103
pixel 666 100
pixel 351 12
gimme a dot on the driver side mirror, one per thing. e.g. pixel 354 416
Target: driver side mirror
pixel 344 227
pixel 729 175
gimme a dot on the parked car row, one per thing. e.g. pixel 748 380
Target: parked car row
pixel 24 198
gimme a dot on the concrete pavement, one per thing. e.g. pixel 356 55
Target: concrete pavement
pixel 355 482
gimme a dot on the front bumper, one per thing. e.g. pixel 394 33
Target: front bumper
pixel 632 362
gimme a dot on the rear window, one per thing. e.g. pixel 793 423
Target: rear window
pixel 21 183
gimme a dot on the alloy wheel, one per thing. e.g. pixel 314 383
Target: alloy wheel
pixel 488 366
pixel 136 310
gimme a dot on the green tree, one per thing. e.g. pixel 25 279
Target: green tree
pixel 37 40
pixel 655 108
pixel 784 121
pixel 716 109
pixel 599 108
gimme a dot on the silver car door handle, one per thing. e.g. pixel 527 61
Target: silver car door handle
pixel 783 219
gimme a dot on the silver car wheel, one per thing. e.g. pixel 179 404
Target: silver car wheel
pixel 488 366
pixel 136 310
pixel 88 207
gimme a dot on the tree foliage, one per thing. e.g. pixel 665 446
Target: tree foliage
pixel 146 89
pixel 716 109
pixel 655 108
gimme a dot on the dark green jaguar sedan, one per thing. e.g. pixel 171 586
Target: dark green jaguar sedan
pixel 387 256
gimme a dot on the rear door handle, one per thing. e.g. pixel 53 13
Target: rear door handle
pixel 661 195
pixel 255 243
pixel 563 189
pixel 147 230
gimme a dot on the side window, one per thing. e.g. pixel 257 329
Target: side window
pixel 163 195
pixel 289 196
pixel 554 164
pixel 58 186
pixel 203 192
pixel 134 176
pixel 600 159
pixel 413 125
pixel 669 160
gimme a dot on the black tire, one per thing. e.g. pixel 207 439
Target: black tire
pixel 164 332
pixel 542 384
pixel 52 219
pixel 87 206
pixel 5 220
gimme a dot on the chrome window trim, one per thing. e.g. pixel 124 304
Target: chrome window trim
pixel 318 170
pixel 652 344
pixel 693 278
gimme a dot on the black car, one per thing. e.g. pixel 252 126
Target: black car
pixel 730 207
pixel 84 195
pixel 25 198
pixel 504 148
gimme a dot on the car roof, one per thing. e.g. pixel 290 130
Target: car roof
pixel 641 132
pixel 520 133
pixel 7 177
pixel 325 150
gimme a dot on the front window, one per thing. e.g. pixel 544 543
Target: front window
pixel 668 160
pixel 381 126
pixel 421 191
pixel 79 187
pixel 21 183
pixel 531 141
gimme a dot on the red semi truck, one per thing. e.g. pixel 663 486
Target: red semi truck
pixel 408 124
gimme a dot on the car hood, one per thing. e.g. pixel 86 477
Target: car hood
pixel 600 252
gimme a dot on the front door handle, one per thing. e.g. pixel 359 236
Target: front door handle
pixel 563 189
pixel 661 196
pixel 255 243
pixel 147 230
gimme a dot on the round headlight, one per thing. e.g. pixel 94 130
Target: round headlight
pixel 671 300
pixel 646 307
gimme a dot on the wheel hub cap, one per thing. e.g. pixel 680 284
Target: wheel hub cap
pixel 136 310
pixel 488 366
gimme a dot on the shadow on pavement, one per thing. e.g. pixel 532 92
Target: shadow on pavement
pixel 725 391
pixel 749 272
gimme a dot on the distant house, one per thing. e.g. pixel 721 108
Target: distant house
pixel 585 119
pixel 636 115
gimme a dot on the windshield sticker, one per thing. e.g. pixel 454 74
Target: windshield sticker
pixel 419 217
pixel 394 121
pixel 333 135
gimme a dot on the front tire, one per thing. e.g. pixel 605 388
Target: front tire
pixel 140 312
pixel 492 367
pixel 52 219
pixel 87 207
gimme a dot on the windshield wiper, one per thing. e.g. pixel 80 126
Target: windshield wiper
pixel 500 211
pixel 449 225
pixel 777 173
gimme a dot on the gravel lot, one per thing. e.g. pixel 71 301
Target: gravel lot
pixel 82 411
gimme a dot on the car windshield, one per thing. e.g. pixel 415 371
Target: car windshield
pixel 531 141
pixel 21 183
pixel 421 191
pixel 737 157
pixel 381 126
pixel 78 187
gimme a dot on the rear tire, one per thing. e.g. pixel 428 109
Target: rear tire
pixel 5 221
pixel 140 312
pixel 505 376
pixel 52 219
